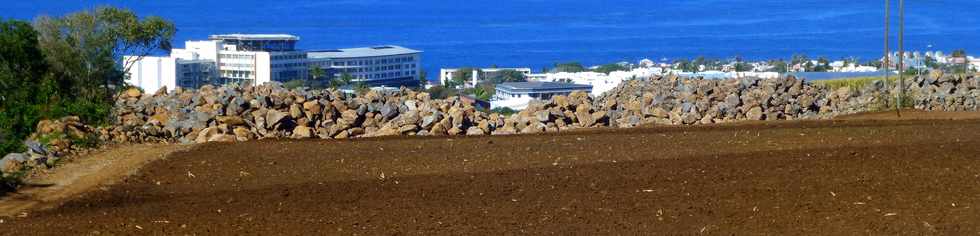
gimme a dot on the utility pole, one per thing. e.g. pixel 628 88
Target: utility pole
pixel 901 55
pixel 885 63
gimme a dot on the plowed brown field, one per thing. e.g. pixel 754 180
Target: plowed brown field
pixel 850 176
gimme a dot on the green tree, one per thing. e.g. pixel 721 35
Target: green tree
pixel 423 78
pixel 83 47
pixel 460 77
pixel 571 67
pixel 683 65
pixel 24 83
pixel 608 68
pixel 441 92
pixel 959 53
pixel 802 60
pixel 316 73
pixel 503 111
pixel 343 80
pixel 361 88
pixel 697 63
pixel 504 76
pixel 778 66
pixel 481 93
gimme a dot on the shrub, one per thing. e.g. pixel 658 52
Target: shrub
pixel 503 111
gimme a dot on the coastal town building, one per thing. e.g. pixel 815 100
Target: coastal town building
pixel 480 75
pixel 600 82
pixel 517 95
pixel 388 66
pixel 251 59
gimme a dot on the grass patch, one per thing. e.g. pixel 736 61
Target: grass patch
pixel 853 83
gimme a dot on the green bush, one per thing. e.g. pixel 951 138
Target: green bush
pixel 503 111
pixel 293 84
pixel 853 83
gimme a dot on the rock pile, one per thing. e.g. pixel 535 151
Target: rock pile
pixel 234 113
pixel 52 140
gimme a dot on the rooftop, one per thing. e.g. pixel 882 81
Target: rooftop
pixel 254 37
pixel 542 86
pixel 377 51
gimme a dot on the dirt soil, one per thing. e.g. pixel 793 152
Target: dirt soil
pixel 867 174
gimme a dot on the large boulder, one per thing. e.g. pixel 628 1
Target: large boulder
pixel 754 113
pixel 301 132
pixel 12 162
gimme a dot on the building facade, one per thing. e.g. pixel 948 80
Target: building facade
pixel 380 66
pixel 251 59
pixel 480 75
pixel 517 95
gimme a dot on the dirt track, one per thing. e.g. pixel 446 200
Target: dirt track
pixel 825 178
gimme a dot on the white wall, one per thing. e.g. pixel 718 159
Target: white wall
pixel 263 70
pixel 152 73
pixel 207 50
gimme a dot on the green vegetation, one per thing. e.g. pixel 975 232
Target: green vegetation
pixel 292 84
pixel 482 92
pixel 571 67
pixel 507 76
pixel 607 68
pixel 883 102
pixel 503 111
pixel 68 66
pixel 423 78
pixel 345 79
pixel 853 83
pixel 441 92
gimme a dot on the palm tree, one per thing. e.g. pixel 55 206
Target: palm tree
pixel 316 72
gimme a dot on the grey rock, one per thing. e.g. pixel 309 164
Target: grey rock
pixel 754 113
pixel 542 116
pixel 273 117
pixel 11 162
pixel 36 147
pixel 388 111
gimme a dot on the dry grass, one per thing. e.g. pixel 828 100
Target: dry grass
pixel 853 83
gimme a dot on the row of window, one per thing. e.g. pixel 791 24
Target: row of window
pixel 374 62
pixel 236 56
pixel 379 68
pixel 237 65
pixel 386 75
pixel 236 74
pixel 288 65
pixel 289 57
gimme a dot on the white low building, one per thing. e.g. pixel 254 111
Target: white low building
pixel 600 82
pixel 388 65
pixel 517 95
pixel 480 75
pixel 251 59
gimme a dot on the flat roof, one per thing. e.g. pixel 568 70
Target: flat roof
pixel 254 36
pixel 376 51
pixel 514 86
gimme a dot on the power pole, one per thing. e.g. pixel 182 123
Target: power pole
pixel 901 55
pixel 885 63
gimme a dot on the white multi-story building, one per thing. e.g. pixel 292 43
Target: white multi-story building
pixel 480 75
pixel 389 66
pixel 252 59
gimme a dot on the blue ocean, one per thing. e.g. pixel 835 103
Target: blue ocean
pixel 539 33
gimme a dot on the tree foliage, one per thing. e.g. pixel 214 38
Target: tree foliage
pixel 504 76
pixel 571 67
pixel 68 66
pixel 83 47
pixel 460 77
pixel 608 68
pixel 423 78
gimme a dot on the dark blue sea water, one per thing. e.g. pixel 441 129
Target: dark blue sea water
pixel 538 33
